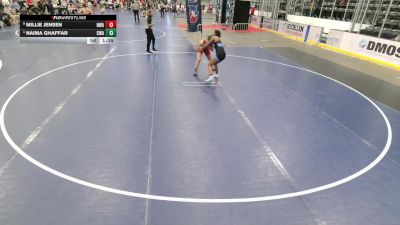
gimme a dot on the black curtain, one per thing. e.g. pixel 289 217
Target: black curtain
pixel 241 12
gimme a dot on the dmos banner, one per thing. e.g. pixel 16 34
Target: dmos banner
pixel 193 13
pixel 381 49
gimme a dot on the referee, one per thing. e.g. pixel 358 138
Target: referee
pixel 149 32
pixel 135 7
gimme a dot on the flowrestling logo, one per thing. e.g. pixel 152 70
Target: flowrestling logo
pixel 68 17
pixel 386 49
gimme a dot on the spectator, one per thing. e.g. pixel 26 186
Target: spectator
pixel 149 32
pixel 12 15
pixel 15 6
pixel 116 4
pixel 343 3
pixel 102 7
pixel 72 9
pixel 210 9
pixel 135 7
pixel 162 9
pixel 313 7
pixel 252 10
pixel 42 6
pixel 50 7
pixel 90 5
pixel 85 10
pixel 64 7
pixel 174 11
pixel 30 3
pixel 110 4
pixel 5 3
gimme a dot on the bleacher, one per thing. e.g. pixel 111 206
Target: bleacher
pixel 379 17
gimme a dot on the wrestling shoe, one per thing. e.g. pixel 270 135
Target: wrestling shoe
pixel 210 79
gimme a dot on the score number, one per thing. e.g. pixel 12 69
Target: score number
pixel 111 26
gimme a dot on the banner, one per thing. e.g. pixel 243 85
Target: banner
pixel 256 20
pixel 193 13
pixel 315 34
pixel 228 11
pixel 271 24
pixel 377 48
pixel 293 29
pixel 334 38
pixel 218 11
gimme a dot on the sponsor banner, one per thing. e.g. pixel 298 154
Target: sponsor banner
pixel 256 20
pixel 270 24
pixel 193 13
pixel 377 48
pixel 314 34
pixel 334 38
pixel 293 29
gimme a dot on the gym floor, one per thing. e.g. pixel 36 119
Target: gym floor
pixel 106 134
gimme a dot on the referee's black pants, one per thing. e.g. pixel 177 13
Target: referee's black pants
pixel 136 15
pixel 150 38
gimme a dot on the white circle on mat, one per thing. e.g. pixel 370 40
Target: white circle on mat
pixel 195 200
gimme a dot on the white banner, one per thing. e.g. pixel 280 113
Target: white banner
pixel 256 20
pixel 377 48
pixel 293 29
pixel 335 38
pixel 270 24
pixel 314 34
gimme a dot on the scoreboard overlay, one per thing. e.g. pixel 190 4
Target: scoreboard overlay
pixel 87 29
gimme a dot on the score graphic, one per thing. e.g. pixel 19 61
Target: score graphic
pixel 111 30
pixel 90 29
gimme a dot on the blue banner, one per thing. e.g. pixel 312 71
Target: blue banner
pixel 193 13
pixel 218 8
pixel 228 11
